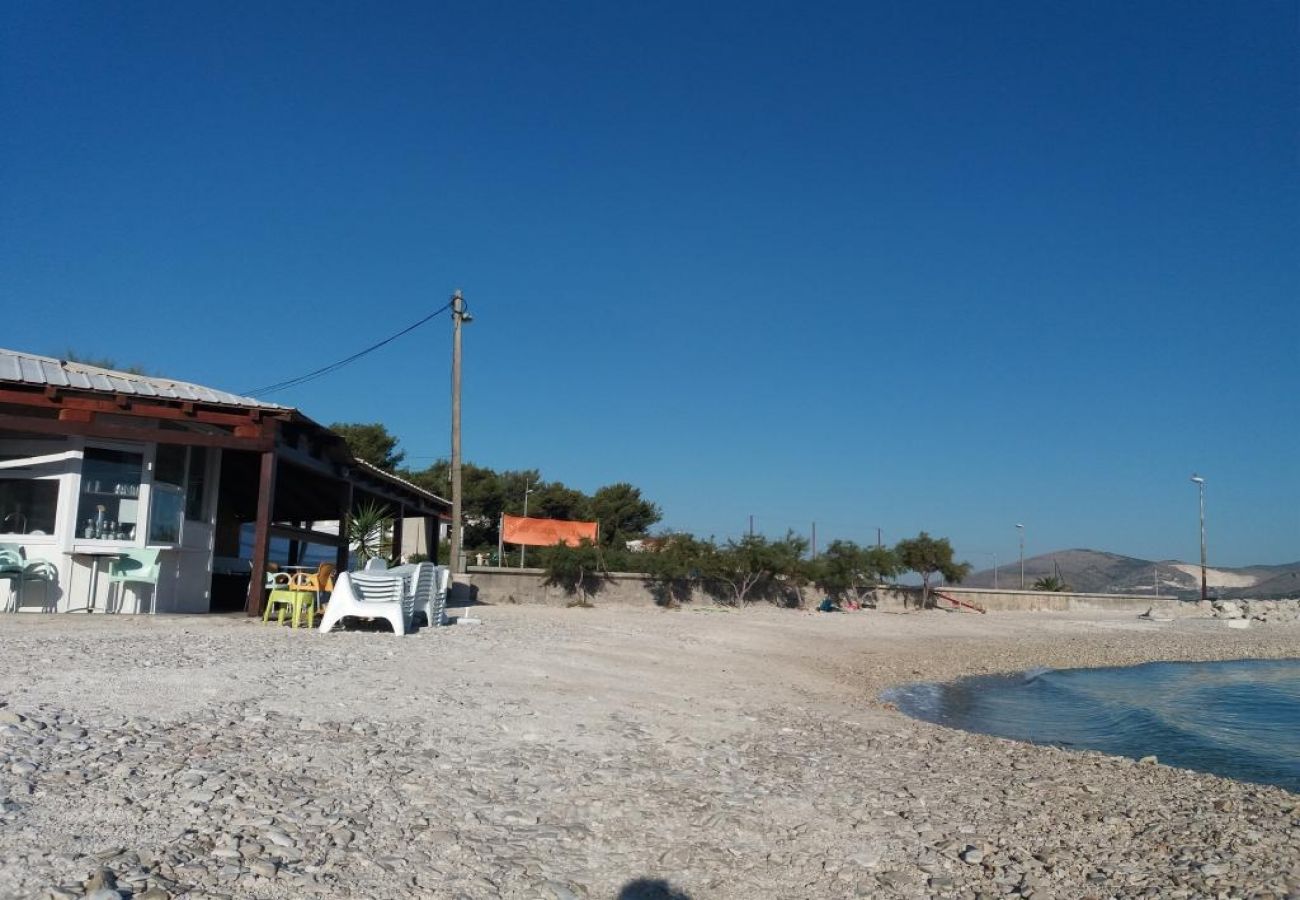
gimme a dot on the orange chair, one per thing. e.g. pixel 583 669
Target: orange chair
pixel 320 582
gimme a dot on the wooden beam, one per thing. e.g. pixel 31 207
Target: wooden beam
pixel 307 461
pixel 36 425
pixel 149 408
pixel 345 515
pixel 303 535
pixel 76 415
pixel 262 533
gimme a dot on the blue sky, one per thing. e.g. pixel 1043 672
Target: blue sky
pixel 940 266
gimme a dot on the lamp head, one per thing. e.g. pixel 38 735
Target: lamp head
pixel 1018 525
pixel 1198 479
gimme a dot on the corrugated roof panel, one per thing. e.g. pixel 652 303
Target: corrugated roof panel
pixel 32 369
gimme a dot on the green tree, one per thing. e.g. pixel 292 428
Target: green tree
pixel 554 500
pixel 102 362
pixel 514 484
pixel 849 571
pixel 371 442
pixel 675 562
pixel 753 564
pixel 622 513
pixel 579 570
pixel 927 556
pixel 483 499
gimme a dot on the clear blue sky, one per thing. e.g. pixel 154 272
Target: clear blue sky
pixel 943 266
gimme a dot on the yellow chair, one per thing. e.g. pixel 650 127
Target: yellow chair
pixel 297 603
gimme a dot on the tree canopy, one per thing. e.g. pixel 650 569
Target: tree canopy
pixel 927 556
pixel 622 513
pixel 371 442
pixel 848 571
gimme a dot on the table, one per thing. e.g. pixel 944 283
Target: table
pixel 95 554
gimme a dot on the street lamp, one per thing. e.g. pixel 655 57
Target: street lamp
pixel 1022 555
pixel 1200 485
pixel 523 548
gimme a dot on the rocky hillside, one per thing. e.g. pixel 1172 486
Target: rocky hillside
pixel 1094 571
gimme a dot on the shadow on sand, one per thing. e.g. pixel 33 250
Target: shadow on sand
pixel 651 889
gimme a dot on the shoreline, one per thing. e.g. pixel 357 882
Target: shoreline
pixel 564 753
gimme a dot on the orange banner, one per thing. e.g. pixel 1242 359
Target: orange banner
pixel 545 532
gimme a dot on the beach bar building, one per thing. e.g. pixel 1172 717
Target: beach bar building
pixel 99 466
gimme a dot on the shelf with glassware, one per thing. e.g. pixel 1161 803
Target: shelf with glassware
pixel 109 507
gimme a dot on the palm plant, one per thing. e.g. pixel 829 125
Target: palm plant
pixel 368 532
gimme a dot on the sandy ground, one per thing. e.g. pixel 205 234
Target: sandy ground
pixel 597 753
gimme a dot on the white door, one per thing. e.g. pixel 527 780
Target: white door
pixel 194 568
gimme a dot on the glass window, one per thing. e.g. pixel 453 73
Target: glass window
pixel 166 504
pixel 195 484
pixel 110 491
pixel 169 465
pixel 28 505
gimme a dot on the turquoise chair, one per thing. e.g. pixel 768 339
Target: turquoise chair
pixel 11 570
pixel 41 570
pixel 134 567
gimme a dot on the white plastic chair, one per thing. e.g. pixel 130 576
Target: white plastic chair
pixel 440 595
pixel 376 564
pixel 421 584
pixel 370 596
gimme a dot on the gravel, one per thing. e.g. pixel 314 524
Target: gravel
pixel 571 753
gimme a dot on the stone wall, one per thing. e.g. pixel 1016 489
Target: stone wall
pixel 503 586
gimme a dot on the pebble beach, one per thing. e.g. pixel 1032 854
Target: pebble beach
pixel 598 753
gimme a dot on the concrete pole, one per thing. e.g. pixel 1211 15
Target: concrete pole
pixel 457 315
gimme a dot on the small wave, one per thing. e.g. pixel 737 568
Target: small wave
pixel 1238 718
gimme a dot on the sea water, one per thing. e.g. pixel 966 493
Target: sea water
pixel 1240 719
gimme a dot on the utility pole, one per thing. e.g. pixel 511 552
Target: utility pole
pixel 751 525
pixel 814 540
pixel 1200 484
pixel 995 571
pixel 459 316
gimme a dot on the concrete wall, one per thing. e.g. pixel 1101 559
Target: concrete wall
pixel 1042 601
pixel 499 586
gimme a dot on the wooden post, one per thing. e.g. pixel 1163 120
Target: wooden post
pixel 397 532
pixel 431 526
pixel 345 514
pixel 262 533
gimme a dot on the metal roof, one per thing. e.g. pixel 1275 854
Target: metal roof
pixel 374 470
pixel 28 368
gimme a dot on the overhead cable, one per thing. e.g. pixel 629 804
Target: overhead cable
pixel 334 367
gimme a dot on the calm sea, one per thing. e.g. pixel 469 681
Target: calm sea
pixel 1240 718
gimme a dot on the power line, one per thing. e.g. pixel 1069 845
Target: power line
pixel 334 367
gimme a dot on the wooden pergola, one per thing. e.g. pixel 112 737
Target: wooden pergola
pixel 280 470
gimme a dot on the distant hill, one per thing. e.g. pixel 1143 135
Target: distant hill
pixel 1097 572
